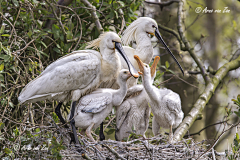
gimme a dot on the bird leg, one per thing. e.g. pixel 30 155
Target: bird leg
pixel 89 135
pixel 58 113
pixel 101 134
pixel 72 122
pixel 170 137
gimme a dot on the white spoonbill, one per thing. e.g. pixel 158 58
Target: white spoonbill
pixel 139 31
pixel 165 104
pixel 77 74
pixel 134 112
pixel 93 108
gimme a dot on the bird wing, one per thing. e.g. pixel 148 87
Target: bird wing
pixel 134 91
pixel 80 70
pixel 94 102
pixel 173 102
pixel 122 112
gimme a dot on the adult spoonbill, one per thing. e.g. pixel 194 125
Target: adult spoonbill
pixel 134 112
pixel 139 31
pixel 93 108
pixel 165 104
pixel 77 74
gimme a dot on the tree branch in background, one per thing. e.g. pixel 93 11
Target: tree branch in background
pixel 198 133
pixel 50 21
pixel 182 47
pixel 94 16
pixel 188 46
pixel 204 98
pixel 162 4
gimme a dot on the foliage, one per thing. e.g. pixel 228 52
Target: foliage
pixel 32 35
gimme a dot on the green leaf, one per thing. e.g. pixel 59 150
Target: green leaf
pixel 37 130
pixel 39 22
pixel 121 3
pixel 237 113
pixel 57 50
pixel 55 117
pixel 1 67
pixel 1 78
pixel 167 64
pixel 5 35
pixel 110 131
pixel 15 2
pixel 69 35
pixel 2 29
pixel 29 34
pixel 7 151
pixel 237 136
pixel 2 125
pixel 234 25
pixel 43 44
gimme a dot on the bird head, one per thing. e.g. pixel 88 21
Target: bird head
pixel 150 26
pixel 124 75
pixel 145 69
pixel 112 41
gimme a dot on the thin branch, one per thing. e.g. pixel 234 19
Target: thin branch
pixel 114 152
pixel 224 131
pixel 163 4
pixel 205 97
pixel 94 16
pixel 198 133
pixel 188 46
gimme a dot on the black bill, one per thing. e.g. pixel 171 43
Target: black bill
pixel 132 70
pixel 159 37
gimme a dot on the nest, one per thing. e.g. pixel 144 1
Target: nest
pixel 151 148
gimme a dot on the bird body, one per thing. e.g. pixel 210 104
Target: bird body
pixel 78 74
pixel 165 104
pixel 139 31
pixel 134 113
pixel 93 108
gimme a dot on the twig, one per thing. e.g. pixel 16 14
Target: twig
pixel 114 152
pixel 162 4
pixel 224 131
pixel 109 122
pixel 188 46
pixel 94 16
pixel 198 133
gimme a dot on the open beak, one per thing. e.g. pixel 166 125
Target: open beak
pixel 140 63
pixel 159 37
pixel 154 65
pixel 132 70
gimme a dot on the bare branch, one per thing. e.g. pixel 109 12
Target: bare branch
pixel 94 16
pixel 205 97
pixel 163 4
pixel 188 46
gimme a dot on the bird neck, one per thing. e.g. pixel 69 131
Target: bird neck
pixel 110 64
pixel 144 46
pixel 149 88
pixel 120 93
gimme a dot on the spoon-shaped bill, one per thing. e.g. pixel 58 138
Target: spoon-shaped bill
pixel 132 70
pixel 159 37
pixel 140 63
pixel 154 65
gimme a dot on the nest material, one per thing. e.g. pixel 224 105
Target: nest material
pixel 152 148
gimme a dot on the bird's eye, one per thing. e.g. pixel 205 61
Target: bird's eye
pixel 146 66
pixel 125 72
pixel 153 26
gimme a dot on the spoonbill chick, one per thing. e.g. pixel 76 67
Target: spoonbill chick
pixel 78 74
pixel 93 108
pixel 165 104
pixel 134 112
